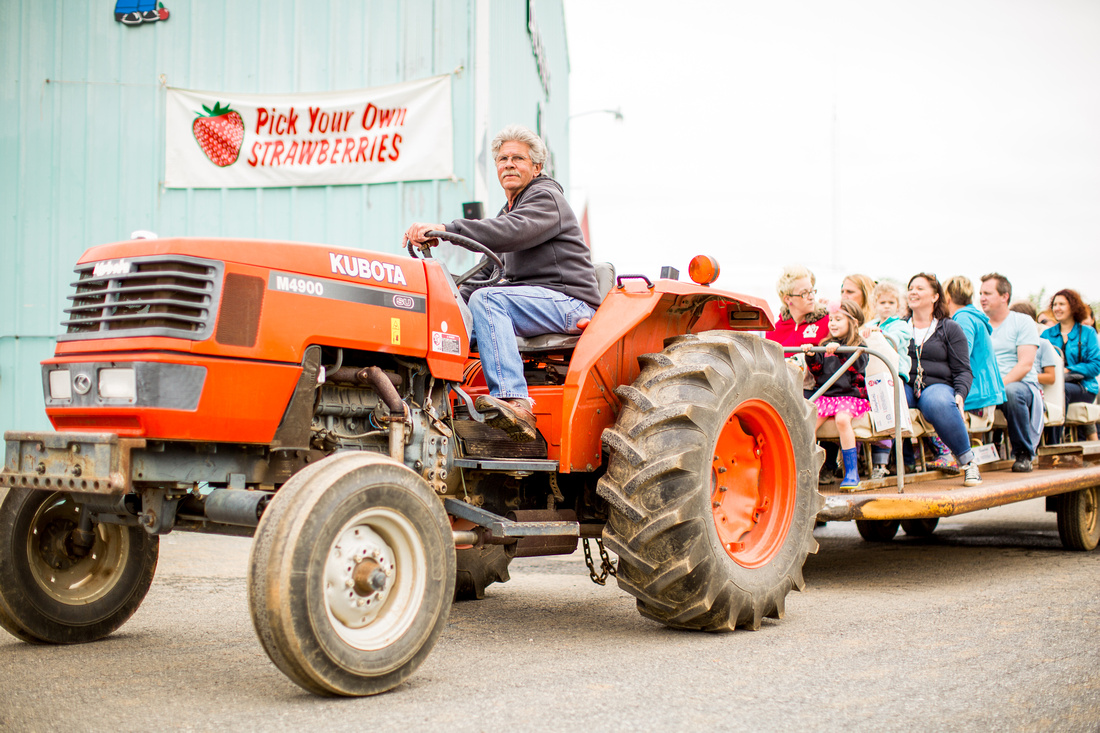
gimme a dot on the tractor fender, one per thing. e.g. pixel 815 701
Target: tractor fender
pixel 634 319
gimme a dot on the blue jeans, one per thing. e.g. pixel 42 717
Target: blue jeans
pixel 1021 404
pixel 937 404
pixel 501 314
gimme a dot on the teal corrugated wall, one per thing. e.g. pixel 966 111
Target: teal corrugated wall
pixel 512 66
pixel 82 134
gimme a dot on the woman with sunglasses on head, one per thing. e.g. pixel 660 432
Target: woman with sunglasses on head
pixel 1079 347
pixel 939 374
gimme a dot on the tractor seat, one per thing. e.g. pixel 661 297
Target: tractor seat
pixel 605 280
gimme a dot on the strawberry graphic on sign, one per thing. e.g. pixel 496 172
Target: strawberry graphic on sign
pixel 220 133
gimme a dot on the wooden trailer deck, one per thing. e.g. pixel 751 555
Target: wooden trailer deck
pixel 1059 469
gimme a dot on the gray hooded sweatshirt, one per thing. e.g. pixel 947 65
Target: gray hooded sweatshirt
pixel 540 242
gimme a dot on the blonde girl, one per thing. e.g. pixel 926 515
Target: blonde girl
pixel 846 399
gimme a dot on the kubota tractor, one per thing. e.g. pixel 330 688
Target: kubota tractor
pixel 321 399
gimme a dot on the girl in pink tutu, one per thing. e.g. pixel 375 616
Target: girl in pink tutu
pixel 846 399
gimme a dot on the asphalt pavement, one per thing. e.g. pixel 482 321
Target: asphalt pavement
pixel 987 625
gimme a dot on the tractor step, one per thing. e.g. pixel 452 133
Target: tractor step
pixel 485 441
pixel 507 464
pixel 502 527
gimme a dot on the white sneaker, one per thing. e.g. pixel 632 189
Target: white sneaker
pixel 971 476
pixel 878 472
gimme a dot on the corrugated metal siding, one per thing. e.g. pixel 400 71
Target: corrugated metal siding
pixel 82 136
pixel 513 67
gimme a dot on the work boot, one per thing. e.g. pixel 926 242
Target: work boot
pixel 851 469
pixel 513 416
pixel 971 475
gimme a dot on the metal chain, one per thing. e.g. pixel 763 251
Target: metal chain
pixel 606 566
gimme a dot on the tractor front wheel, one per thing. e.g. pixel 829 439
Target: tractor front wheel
pixel 351 576
pixel 57 587
pixel 712 483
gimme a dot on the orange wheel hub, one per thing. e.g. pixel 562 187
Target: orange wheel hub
pixel 753 484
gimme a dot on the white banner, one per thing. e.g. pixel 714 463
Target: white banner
pixel 401 132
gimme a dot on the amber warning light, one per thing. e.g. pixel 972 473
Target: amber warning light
pixel 703 269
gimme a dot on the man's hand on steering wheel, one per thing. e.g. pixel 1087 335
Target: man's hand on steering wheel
pixel 418 231
pixel 417 236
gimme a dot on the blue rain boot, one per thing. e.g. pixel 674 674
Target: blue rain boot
pixel 851 472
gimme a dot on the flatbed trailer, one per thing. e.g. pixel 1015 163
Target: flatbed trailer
pixel 1068 475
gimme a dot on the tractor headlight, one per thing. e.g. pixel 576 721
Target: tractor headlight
pixel 117 384
pixel 61 385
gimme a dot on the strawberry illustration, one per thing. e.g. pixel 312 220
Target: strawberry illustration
pixel 219 133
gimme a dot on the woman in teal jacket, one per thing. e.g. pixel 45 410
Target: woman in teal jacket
pixel 988 387
pixel 1079 347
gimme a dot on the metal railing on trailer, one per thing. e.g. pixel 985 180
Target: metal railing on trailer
pixel 855 351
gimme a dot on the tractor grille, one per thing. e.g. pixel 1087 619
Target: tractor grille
pixel 167 295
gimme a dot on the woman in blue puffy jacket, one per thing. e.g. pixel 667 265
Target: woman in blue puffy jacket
pixel 1079 347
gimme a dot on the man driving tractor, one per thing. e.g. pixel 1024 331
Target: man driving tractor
pixel 549 283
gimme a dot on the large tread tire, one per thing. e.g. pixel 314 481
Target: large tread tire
pixel 1079 519
pixel 49 595
pixel 302 624
pixel 878 530
pixel 664 472
pixel 478 568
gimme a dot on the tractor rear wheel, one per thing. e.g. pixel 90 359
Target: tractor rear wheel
pixel 351 576
pixel 712 483
pixel 1079 518
pixel 54 590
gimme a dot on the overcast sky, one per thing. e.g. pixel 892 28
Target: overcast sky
pixel 876 136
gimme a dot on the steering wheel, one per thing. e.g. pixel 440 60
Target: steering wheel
pixel 466 243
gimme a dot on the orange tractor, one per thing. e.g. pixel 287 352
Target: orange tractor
pixel 321 400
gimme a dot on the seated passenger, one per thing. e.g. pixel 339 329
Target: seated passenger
pixel 1079 346
pixel 886 298
pixel 1015 341
pixel 859 288
pixel 846 399
pixel 987 388
pixel 801 319
pixel 940 377
pixel 1047 357
pixel 550 283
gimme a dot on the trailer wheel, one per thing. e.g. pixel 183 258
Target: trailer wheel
pixel 712 483
pixel 1079 519
pixel 51 591
pixel 351 576
pixel 877 530
pixel 478 568
pixel 920 527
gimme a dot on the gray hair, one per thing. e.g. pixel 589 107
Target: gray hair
pixel 520 134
